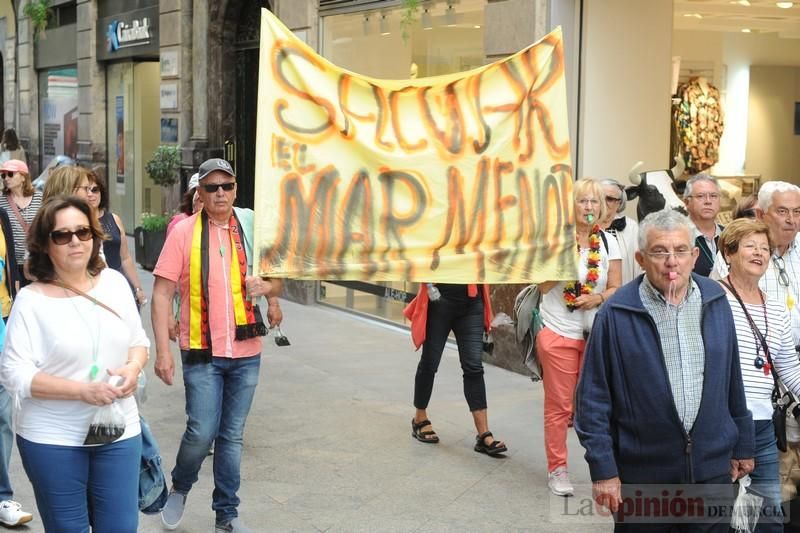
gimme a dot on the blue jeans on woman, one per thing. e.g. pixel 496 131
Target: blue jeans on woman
pixel 765 480
pixel 6 442
pixel 466 321
pixel 218 399
pixel 76 486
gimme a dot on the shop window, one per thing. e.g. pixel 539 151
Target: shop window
pixel 58 105
pixel 445 37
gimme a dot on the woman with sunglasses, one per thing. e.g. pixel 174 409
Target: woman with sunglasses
pixel 115 248
pixel 766 351
pixel 70 332
pixel 21 202
pixel 568 310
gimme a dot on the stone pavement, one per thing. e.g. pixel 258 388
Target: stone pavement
pixel 328 444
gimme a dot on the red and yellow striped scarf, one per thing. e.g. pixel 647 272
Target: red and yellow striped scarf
pixel 248 319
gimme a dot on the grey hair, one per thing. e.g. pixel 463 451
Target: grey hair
pixel 611 182
pixel 768 190
pixel 702 176
pixel 664 220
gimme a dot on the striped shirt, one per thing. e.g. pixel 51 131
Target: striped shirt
pixel 786 294
pixel 758 385
pixel 28 213
pixel 682 345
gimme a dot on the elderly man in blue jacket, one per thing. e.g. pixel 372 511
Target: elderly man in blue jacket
pixel 660 398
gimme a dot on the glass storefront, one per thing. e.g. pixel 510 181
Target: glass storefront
pixel 58 93
pixel 445 37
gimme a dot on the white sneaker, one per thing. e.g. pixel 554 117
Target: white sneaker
pixel 558 481
pixel 11 514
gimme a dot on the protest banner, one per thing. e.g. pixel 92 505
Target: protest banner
pixel 463 178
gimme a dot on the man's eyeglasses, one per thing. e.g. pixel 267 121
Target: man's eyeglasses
pixel 783 212
pixel 780 264
pixel 706 196
pixel 65 236
pixel 613 200
pixel 663 256
pixel 94 189
pixel 5 175
pixel 211 188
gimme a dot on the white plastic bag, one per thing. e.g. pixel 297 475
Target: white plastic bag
pixel 108 423
pixel 746 508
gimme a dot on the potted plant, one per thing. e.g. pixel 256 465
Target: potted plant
pixel 150 237
pixel 39 13
pixel 163 169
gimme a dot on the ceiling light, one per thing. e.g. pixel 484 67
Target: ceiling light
pixel 427 20
pixel 477 26
pixel 745 3
pixel 693 15
pixel 745 30
pixel 384 26
pixel 784 5
pixel 450 16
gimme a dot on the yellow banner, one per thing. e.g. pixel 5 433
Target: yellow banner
pixel 462 178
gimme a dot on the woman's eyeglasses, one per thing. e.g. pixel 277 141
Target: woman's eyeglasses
pixel 94 189
pixel 5 175
pixel 780 264
pixel 211 188
pixel 65 236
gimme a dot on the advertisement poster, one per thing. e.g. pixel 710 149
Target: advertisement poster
pixel 59 130
pixel 169 130
pixel 120 151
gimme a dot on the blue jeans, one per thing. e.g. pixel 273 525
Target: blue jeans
pixel 218 399
pixel 6 442
pixel 765 479
pixel 76 486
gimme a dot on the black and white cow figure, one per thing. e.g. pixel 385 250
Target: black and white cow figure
pixel 655 189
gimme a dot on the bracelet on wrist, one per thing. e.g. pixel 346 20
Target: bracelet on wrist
pixel 602 298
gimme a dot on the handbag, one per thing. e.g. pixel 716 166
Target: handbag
pixel 781 397
pixel 153 491
pixel 529 323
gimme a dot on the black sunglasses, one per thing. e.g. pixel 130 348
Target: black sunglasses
pixel 5 175
pixel 212 187
pixel 65 236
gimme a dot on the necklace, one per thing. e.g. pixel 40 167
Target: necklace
pixel 573 289
pixel 93 334
pixel 758 338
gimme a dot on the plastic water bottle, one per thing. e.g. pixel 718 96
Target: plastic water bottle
pixel 433 292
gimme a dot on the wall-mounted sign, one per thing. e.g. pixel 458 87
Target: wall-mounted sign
pixel 169 130
pixel 169 63
pixel 169 96
pixel 128 34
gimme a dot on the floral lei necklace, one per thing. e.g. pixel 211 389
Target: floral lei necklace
pixel 573 289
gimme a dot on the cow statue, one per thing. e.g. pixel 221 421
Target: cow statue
pixel 655 189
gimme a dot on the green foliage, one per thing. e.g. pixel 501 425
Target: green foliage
pixel 153 222
pixel 38 11
pixel 163 167
pixel 409 16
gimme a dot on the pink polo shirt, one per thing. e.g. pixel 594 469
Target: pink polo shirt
pixel 173 264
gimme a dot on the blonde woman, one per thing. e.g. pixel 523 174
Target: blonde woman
pixel 568 310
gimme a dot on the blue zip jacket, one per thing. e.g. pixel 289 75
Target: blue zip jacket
pixel 625 414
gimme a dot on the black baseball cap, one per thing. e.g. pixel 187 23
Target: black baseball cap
pixel 212 165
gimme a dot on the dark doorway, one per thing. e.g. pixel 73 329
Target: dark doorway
pixel 244 153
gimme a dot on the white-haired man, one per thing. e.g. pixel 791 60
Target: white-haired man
pixel 702 199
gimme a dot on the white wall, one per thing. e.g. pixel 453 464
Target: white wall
pixel 772 147
pixel 627 62
pixel 733 55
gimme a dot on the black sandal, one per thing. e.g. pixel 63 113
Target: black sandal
pixel 429 436
pixel 493 450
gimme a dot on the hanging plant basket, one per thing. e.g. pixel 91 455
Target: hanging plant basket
pixel 39 12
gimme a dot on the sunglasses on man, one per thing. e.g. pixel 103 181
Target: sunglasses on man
pixel 65 236
pixel 211 188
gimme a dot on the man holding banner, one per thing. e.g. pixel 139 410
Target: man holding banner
pixel 207 257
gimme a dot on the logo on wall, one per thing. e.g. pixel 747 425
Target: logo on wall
pixel 123 35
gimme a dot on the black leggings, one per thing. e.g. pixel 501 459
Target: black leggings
pixel 466 321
